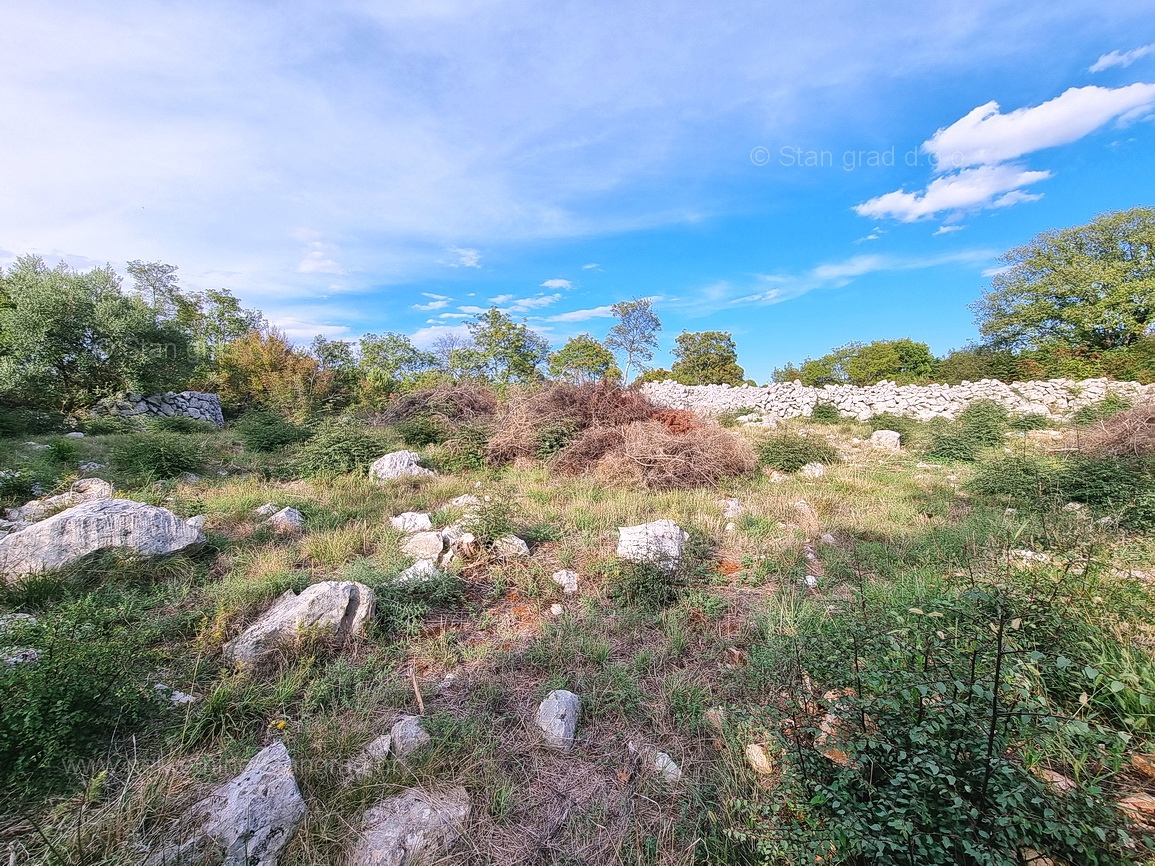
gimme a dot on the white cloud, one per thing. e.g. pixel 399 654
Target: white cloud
pixel 522 305
pixel 466 257
pixel 947 229
pixel 968 190
pixel 986 136
pixel 605 312
pixel 318 262
pixel 592 266
pixel 301 331
pixel 501 299
pixel 425 338
pixel 1124 58
pixel 436 297
pixel 557 284
pixel 432 305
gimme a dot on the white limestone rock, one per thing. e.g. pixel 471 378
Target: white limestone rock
pixel 246 822
pixel 557 718
pixel 567 580
pixel 407 736
pixel 340 607
pixel 370 759
pixel 812 470
pixel 731 508
pixel 287 521
pixel 411 521
pixel 510 547
pixel 421 571
pixel 399 464
pixel 81 491
pixel 423 545
pixel 886 440
pixel 413 828
pixel 267 510
pixel 661 543
pixel 103 524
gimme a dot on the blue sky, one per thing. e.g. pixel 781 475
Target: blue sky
pixel 359 166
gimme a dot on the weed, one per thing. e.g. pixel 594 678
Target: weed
pixel 266 431
pixel 788 451
pixel 158 455
pixel 339 447
pixel 825 413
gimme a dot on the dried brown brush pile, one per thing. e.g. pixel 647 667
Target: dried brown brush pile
pixel 1130 433
pixel 543 422
pixel 452 402
pixel 652 456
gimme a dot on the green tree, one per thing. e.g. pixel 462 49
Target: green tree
pixel 505 351
pixel 69 338
pixel 706 358
pixel 1090 285
pixel 262 369
pixel 974 363
pixel 389 364
pixel 903 361
pixel 583 359
pixel 157 284
pixel 635 334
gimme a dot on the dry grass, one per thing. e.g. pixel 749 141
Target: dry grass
pixel 1130 433
pixel 452 402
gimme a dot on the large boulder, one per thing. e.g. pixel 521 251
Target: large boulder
pixel 103 524
pixel 338 607
pixel 660 543
pixel 84 490
pixel 399 464
pixel 246 822
pixel 413 828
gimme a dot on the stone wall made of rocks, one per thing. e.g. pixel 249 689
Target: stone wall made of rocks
pixel 1056 398
pixel 191 404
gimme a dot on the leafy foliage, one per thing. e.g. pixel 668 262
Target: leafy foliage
pixel 178 424
pixel 788 451
pixel 421 430
pixel 506 351
pixel 583 359
pixel 262 369
pixel 825 413
pixel 262 430
pixel 158 455
pixel 635 335
pixel 338 447
pixel 706 358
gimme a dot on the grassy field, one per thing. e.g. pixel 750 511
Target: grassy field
pixel 894 662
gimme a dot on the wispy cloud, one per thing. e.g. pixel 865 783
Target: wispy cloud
pixel 557 284
pixel 466 258
pixel 605 312
pixel 592 266
pixel 501 299
pixel 974 156
pixel 1121 58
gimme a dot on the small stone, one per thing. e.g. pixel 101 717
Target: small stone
pixel 91 466
pixel 411 521
pixel 267 510
pixel 424 545
pixel 758 756
pixel 812 470
pixel 660 543
pixel 828 539
pixel 466 501
pixel 1139 808
pixel 567 580
pixel 1144 765
pixel 886 440
pixel 666 767
pixel 716 718
pixel 75 434
pixel 421 571
pixel 370 759
pixel 556 609
pixel 731 527
pixel 413 828
pixel 731 508
pixel 557 718
pixel 287 521
pixel 197 521
pixel 407 736
pixel 399 464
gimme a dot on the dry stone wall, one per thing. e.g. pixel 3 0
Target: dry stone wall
pixel 191 404
pixel 1056 398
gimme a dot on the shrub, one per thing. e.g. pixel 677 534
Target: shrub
pixel 465 450
pixel 825 413
pixel 19 422
pixel 1026 479
pixel 789 452
pixel 901 425
pixel 89 681
pixel 178 424
pixel 552 438
pixel 649 585
pixel 953 444
pixel 1031 421
pixel 1105 482
pixel 984 422
pixel 338 447
pixel 1100 410
pixel 267 431
pixel 421 430
pixel 1129 433
pixel 106 425
pixel 452 402
pixel 158 455
pixel 63 450
pixel 494 518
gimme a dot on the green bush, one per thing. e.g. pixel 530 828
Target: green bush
pixel 465 451
pixel 1033 421
pixel 16 423
pixel 789 452
pixel 178 424
pixel 106 425
pixel 158 455
pixel 421 430
pixel 1100 410
pixel 984 422
pixel 900 424
pixel 90 680
pixel 266 431
pixel 1105 482
pixel 825 413
pixel 339 447
pixel 63 450
pixel 1023 479
pixel 552 438
pixel 652 585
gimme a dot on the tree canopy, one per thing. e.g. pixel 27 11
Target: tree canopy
pixel 706 358
pixel 583 359
pixel 635 334
pixel 505 351
pixel 1091 285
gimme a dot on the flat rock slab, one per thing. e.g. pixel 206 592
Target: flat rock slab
pixel 399 464
pixel 421 571
pixel 340 607
pixel 557 718
pixel 287 521
pixel 412 521
pixel 103 524
pixel 424 545
pixel 660 543
pixel 510 547
pixel 413 828
pixel 245 822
